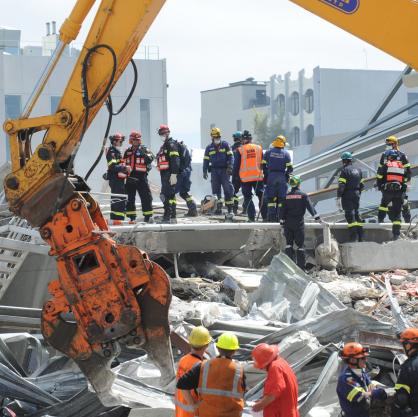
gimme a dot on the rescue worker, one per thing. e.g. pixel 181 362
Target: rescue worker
pixel 278 168
pixel 280 396
pixel 220 382
pixel 168 163
pixel 391 181
pixel 183 180
pixel 406 397
pixel 218 160
pixel 139 158
pixel 199 340
pixel 248 167
pixel 392 143
pixel 236 182
pixel 354 388
pixel 292 218
pixel 350 186
pixel 116 175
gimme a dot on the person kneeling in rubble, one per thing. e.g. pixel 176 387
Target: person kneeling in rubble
pixel 355 389
pixel 280 397
pixel 406 397
pixel 220 382
pixel 199 340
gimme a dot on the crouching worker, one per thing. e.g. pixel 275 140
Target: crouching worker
pixel 355 389
pixel 220 382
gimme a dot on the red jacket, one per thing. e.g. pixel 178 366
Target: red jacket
pixel 281 382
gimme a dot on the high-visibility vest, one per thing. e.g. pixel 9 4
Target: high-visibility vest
pixel 182 408
pixel 163 162
pixel 251 160
pixel 136 160
pixel 395 171
pixel 221 393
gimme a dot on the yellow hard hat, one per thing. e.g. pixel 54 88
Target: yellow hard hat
pixel 215 132
pixel 279 142
pixel 392 139
pixel 227 341
pixel 199 337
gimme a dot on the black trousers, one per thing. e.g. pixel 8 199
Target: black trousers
pixel 350 202
pixel 134 184
pixel 294 232
pixel 117 204
pixel 396 198
pixel 168 195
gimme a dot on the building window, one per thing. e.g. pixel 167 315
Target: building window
pixel 321 182
pixel 54 103
pixel 413 97
pixel 310 133
pixel 239 125
pixel 294 103
pixel 296 136
pixel 281 103
pixel 309 102
pixel 13 108
pixel 144 108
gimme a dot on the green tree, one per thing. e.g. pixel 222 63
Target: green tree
pixel 266 130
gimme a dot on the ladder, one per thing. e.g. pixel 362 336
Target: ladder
pixel 12 258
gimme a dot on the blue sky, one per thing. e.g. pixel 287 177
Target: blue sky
pixel 210 43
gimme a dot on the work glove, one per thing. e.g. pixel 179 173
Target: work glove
pixel 319 220
pixel 229 170
pixel 205 175
pixel 339 205
pixel 173 179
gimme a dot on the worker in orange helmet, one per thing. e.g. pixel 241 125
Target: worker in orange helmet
pixel 355 389
pixel 280 397
pixel 406 398
pixel 199 340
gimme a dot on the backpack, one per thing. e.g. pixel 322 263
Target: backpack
pixel 185 157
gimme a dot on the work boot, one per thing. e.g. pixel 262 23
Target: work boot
pixel 166 215
pixel 173 220
pixel 235 207
pixel 192 212
pixel 116 222
pixel 360 233
pixel 219 206
pixel 229 217
pixel 148 219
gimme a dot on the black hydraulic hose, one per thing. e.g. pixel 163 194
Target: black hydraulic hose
pixel 109 106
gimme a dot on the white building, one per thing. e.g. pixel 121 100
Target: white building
pixel 20 69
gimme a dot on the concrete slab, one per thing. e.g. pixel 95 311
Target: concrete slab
pixel 374 257
pixel 246 278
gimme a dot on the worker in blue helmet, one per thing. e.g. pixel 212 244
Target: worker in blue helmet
pixel 350 186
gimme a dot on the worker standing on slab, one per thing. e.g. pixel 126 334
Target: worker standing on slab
pixel 183 179
pixel 406 397
pixel 248 168
pixel 218 160
pixel 392 143
pixel 220 382
pixel 391 181
pixel 168 163
pixel 292 216
pixel 350 186
pixel 280 396
pixel 199 340
pixel 138 158
pixel 116 174
pixel 279 168
pixel 354 388
pixel 236 182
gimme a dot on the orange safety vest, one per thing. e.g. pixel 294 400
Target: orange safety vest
pixel 395 171
pixel 135 160
pixel 163 162
pixel 221 388
pixel 182 408
pixel 251 160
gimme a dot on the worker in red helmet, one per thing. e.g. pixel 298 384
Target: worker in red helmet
pixel 355 389
pixel 169 165
pixel 280 398
pixel 406 397
pixel 139 158
pixel 116 174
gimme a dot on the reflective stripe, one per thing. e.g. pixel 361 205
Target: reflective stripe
pixel 407 165
pixel 397 222
pixel 380 166
pixel 264 161
pixel 113 161
pixel 223 150
pixel 395 170
pixel 407 388
pixel 185 407
pixel 229 153
pixel 362 181
pixel 189 199
pixel 206 157
pixel 289 164
pixel 381 208
pixel 379 176
pixel 229 202
pixel 131 212
pixel 172 201
pixel 355 391
pixel 234 393
pixel 271 205
pixel 352 224
pixel 236 198
pixel 288 246
pixel 212 152
pixel 342 180
pixel 174 153
pixel 148 213
pixel 119 213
